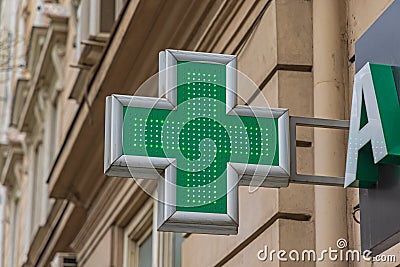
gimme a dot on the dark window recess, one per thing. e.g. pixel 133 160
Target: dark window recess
pixel 107 15
pixel 70 261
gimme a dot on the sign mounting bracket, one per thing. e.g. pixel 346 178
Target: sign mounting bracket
pixel 315 123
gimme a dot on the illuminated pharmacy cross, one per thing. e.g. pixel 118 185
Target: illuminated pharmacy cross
pixel 201 136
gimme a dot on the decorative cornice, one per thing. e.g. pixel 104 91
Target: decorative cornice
pixel 42 73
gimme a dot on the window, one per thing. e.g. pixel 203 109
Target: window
pixel 52 122
pixel 37 187
pixel 107 15
pixel 145 252
pixel 95 18
pixel 145 246
pixel 138 238
pixel 13 226
pixel 53 129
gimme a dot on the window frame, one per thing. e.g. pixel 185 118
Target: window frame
pixel 136 233
pixel 163 243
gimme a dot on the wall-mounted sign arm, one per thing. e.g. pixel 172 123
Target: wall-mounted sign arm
pixel 315 123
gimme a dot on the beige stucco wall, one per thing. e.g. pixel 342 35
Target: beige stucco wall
pixel 101 254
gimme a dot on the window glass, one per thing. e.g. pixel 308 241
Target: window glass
pixel 145 252
pixel 178 239
pixel 107 15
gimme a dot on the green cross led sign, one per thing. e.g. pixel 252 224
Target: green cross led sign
pixel 374 124
pixel 197 142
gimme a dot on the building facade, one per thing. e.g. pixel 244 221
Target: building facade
pixel 62 58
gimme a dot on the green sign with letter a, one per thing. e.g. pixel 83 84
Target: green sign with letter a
pixel 374 124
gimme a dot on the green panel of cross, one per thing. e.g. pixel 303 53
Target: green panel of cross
pixel 201 137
